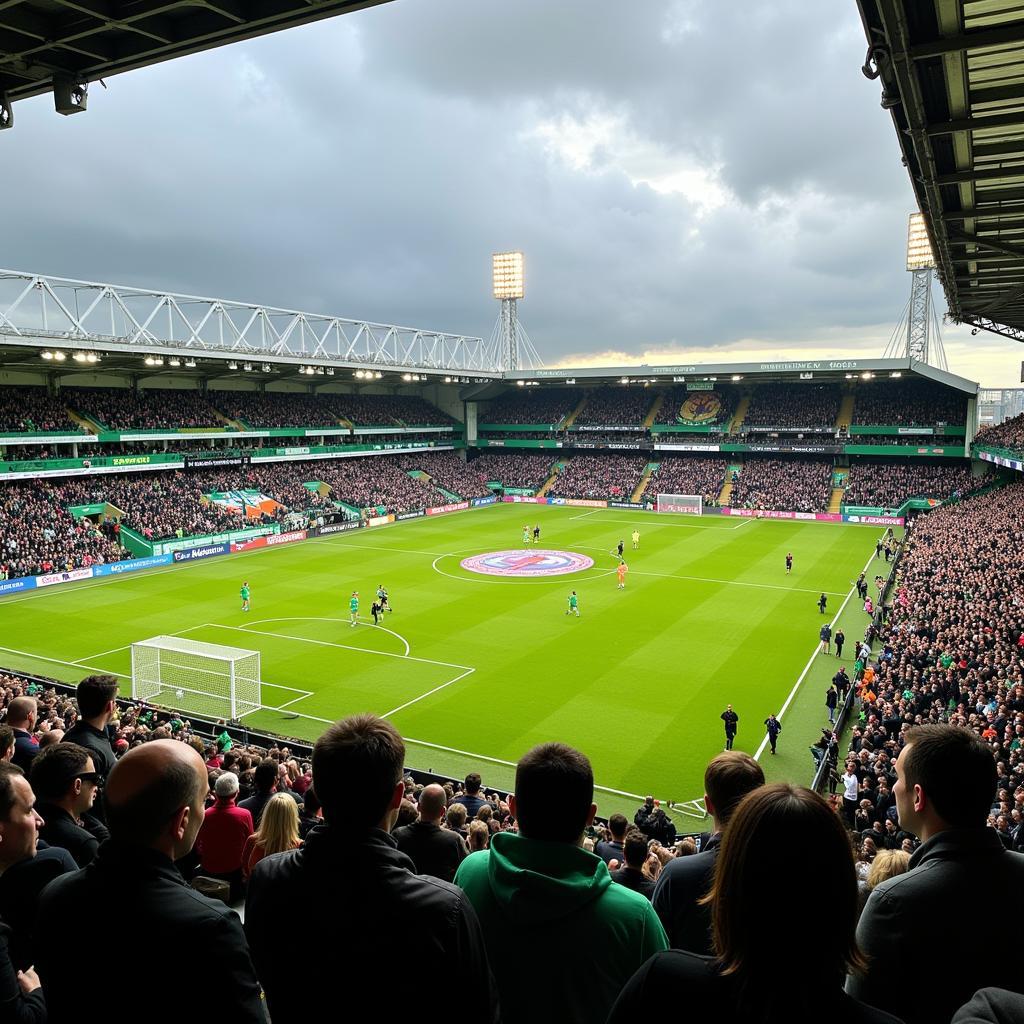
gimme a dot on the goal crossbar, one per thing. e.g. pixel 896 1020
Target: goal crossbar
pixel 681 504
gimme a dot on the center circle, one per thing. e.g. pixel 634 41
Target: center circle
pixel 527 562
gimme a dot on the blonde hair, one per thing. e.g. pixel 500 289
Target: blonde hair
pixel 887 864
pixel 279 826
pixel 479 835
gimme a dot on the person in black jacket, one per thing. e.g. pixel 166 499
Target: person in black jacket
pixel 65 783
pixel 434 850
pixel 754 886
pixel 351 873
pixel 196 953
pixel 731 720
pixel 21 997
pixel 97 705
pixel 631 873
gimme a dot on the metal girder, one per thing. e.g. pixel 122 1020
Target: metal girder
pixel 983 323
pixel 1005 35
pixel 976 124
pixel 82 313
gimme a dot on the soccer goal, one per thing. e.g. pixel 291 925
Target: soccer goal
pixel 205 679
pixel 684 504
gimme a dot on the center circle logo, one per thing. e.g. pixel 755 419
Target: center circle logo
pixel 528 563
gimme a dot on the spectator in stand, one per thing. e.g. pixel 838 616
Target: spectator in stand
pixel 631 874
pixel 434 850
pixel 526 470
pixel 888 485
pixel 908 403
pixel 30 410
pixel 96 697
pixel 616 406
pixel 21 717
pixel 753 884
pixel 224 834
pixel 389 410
pixel 814 406
pixel 65 783
pixel 675 400
pixel 613 848
pixel 194 944
pixel 470 797
pixel 599 476
pixel 449 471
pixel 310 816
pixel 351 870
pixel 152 409
pixel 549 910
pixel 784 485
pixel 6 743
pixel 688 475
pixel 265 785
pixel 683 884
pixel 532 405
pixel 278 832
pixel 946 781
pixel 1008 434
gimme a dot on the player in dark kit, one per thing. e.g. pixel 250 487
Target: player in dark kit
pixel 789 562
pixel 731 719
pixel 536 534
pixel 621 548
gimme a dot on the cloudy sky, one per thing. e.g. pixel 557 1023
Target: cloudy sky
pixel 689 180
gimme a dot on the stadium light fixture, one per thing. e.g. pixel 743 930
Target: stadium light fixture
pixel 59 356
pixel 247 367
pixel 737 376
pixel 866 375
pixel 232 365
pixel 92 358
pixel 267 368
pixel 190 363
pixel 330 371
pixel 896 373
pixel 849 376
pixel 623 380
pixel 570 380
pixel 407 377
pixel 174 361
pixel 46 355
pixel 507 275
pixel 378 375
pixel 919 246
pixel 521 383
pixel 79 357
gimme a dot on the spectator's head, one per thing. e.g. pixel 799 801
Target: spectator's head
pixel 357 773
pixel 554 794
pixel 456 817
pixel 226 786
pixel 945 778
pixel 634 848
pixel 6 743
pixel 617 825
pixel 50 737
pixel 728 778
pixel 19 822
pixel 279 826
pixel 310 804
pixel 64 774
pixel 479 836
pixel 754 877
pixel 887 864
pixel 432 803
pixel 21 713
pixel 264 778
pixel 472 784
pixel 96 697
pixel 155 797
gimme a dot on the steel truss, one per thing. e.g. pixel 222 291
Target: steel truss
pixel 60 311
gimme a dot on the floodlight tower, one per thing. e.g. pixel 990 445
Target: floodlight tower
pixel 917 334
pixel 515 351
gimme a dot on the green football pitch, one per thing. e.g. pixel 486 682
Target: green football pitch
pixel 475 669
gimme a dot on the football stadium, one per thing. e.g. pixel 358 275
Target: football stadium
pixel 646 681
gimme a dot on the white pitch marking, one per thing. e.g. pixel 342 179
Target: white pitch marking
pixel 103 654
pixel 480 578
pixel 423 696
pixel 57 661
pixel 315 618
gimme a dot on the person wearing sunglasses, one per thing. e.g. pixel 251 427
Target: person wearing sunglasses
pixel 65 782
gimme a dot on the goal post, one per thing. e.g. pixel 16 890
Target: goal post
pixel 682 504
pixel 206 679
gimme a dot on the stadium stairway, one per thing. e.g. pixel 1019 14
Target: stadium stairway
pixel 835 503
pixel 571 418
pixel 726 492
pixel 92 426
pixel 845 417
pixel 550 482
pixel 652 415
pixel 740 414
pixel 646 478
pixel 235 424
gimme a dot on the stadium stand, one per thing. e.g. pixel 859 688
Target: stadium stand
pixel 29 410
pixel 123 409
pixel 277 409
pixel 599 476
pixel 621 406
pixel 449 471
pixel 1008 434
pixel 525 470
pixel 793 406
pixel 526 406
pixel 784 485
pixel 390 411
pixel 914 403
pixel 890 484
pixel 687 475
pixel 709 406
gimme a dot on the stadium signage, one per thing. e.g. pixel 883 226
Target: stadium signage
pixel 586 503
pixel 12 586
pixel 528 499
pixel 131 565
pixel 479 502
pixel 339 527
pixel 914 430
pixel 285 538
pixel 817 449
pixel 215 461
pixel 134 460
pixel 63 577
pixel 455 507
pixel 380 520
pixel 203 551
pixel 295 451
pixel 609 426
pixel 628 504
pixel 1000 460
pixel 419 513
pixel 875 520
pixel 757 513
pixel 687 447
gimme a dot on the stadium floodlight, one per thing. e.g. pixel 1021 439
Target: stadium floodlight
pixel 59 356
pixel 174 361
pixel 190 363
pixel 79 357
pixel 92 358
pixel 46 355
pixel 507 275
pixel 232 365
pixel 736 377
pixel 919 246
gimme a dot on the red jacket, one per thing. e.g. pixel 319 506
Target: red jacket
pixel 222 837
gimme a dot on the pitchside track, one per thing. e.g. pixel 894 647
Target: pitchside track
pixel 475 668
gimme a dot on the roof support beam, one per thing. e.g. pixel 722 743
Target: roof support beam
pixel 976 124
pixel 1005 35
pixel 981 174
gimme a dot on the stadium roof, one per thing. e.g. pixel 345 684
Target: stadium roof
pixel 81 41
pixel 952 74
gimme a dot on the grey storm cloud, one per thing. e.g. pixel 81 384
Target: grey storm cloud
pixel 368 166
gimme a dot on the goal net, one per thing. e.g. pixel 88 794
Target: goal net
pixel 204 679
pixel 684 504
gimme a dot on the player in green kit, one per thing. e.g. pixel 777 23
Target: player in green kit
pixel 353 608
pixel 574 605
pixel 526 535
pixel 244 594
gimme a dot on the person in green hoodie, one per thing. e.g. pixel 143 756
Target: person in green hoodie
pixel 562 937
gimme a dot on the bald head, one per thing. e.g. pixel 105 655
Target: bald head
pixel 154 796
pixel 432 802
pixel 21 713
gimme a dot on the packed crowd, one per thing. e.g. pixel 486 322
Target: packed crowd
pixel 783 485
pixel 907 440
pixel 391 411
pixel 30 410
pixel 793 405
pixel 154 409
pixel 277 409
pixel 599 476
pixel 1008 434
pixel 618 923
pixel 625 406
pixel 448 470
pixel 531 405
pixel 722 400
pixel 688 475
pixel 527 470
pixel 889 484
pixel 379 482
pixel 911 403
